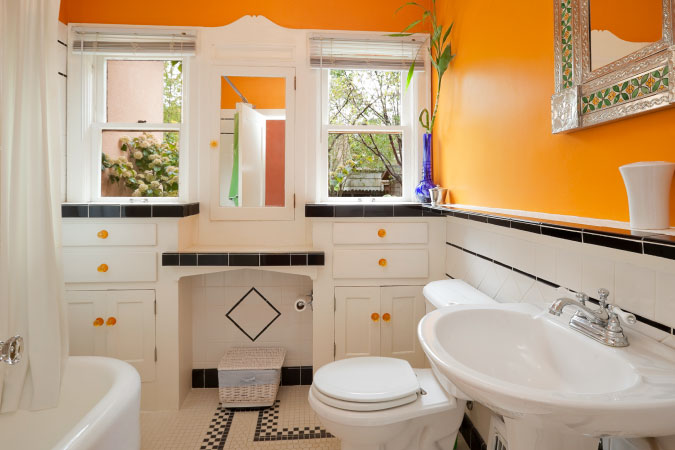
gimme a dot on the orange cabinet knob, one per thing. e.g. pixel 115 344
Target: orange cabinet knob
pixel 386 317
pixel 102 268
pixel 381 232
pixel 103 234
pixel 382 262
pixel 111 321
pixel 98 322
pixel 375 317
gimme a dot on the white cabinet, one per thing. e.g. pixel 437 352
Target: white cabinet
pixel 379 321
pixel 378 233
pixel 118 324
pixel 380 263
pixel 108 266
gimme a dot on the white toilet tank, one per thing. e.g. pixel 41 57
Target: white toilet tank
pixel 453 292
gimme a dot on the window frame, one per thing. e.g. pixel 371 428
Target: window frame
pixel 99 125
pixel 408 130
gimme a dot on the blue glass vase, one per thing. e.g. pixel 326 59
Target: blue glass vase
pixel 422 189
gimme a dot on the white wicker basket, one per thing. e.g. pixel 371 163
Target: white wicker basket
pixel 250 376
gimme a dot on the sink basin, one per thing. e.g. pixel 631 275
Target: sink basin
pixel 548 380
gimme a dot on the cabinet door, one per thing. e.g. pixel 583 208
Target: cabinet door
pixel 402 307
pixel 86 335
pixel 132 337
pixel 126 330
pixel 356 333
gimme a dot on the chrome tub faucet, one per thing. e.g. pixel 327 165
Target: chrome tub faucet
pixel 601 324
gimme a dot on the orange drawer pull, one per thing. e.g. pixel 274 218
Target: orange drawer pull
pixel 103 234
pixel 386 317
pixel 382 262
pixel 98 322
pixel 375 317
pixel 111 321
pixel 102 268
pixel 381 232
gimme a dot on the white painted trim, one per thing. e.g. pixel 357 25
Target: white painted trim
pixel 557 217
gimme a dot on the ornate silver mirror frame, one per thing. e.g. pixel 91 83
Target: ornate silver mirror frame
pixel 638 83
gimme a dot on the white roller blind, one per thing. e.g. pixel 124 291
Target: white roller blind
pixel 384 53
pixel 104 42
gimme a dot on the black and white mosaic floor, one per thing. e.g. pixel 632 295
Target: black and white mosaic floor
pixel 202 424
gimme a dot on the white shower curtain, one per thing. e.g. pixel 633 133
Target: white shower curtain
pixel 31 285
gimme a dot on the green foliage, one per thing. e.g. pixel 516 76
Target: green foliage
pixel 358 97
pixel 151 167
pixel 173 91
pixel 440 52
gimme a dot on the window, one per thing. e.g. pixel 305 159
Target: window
pixel 367 130
pixel 127 93
pixel 141 132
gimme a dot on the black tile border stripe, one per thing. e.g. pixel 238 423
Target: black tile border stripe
pixel 644 320
pixel 239 259
pixel 290 376
pixel 135 210
pixel 644 242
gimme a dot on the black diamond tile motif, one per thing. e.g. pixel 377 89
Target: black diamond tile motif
pixel 219 428
pixel 253 314
pixel 268 429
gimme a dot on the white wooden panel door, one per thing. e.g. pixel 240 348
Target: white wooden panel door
pixel 86 328
pixel 384 263
pixel 356 333
pixel 108 234
pixel 131 337
pixel 380 233
pixel 251 156
pixel 402 307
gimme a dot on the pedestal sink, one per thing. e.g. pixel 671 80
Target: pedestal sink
pixel 557 389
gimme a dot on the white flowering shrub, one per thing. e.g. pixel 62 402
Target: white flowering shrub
pixel 150 168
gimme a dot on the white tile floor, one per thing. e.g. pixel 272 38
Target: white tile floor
pixel 187 428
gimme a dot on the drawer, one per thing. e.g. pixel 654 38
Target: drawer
pixel 385 263
pixel 380 233
pixel 105 234
pixel 108 266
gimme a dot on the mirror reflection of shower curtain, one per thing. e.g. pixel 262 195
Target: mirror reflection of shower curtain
pixel 250 138
pixel 31 282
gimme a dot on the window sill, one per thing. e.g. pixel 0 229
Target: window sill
pixel 128 210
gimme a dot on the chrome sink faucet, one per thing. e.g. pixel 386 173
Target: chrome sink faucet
pixel 601 324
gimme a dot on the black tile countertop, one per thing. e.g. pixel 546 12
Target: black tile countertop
pixel 243 259
pixel 135 210
pixel 646 242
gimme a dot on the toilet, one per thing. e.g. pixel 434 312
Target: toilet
pixel 378 403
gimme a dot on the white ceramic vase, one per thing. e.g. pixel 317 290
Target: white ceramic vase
pixel 648 187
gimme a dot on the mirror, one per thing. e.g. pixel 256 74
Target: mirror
pixel 252 141
pixel 621 27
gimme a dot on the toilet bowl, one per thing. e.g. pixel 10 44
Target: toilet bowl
pixel 376 403
pixel 379 403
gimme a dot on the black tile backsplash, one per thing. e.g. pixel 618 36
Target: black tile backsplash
pixel 408 210
pixel 105 211
pixel 210 378
pixel 97 210
pixel 628 245
pixel 212 259
pixel 244 259
pixel 197 378
pixel 663 251
pixel 349 211
pixel 378 211
pixel 526 226
pixel 254 259
pixel 290 376
pixel 562 233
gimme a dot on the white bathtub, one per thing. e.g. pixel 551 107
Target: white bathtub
pixel 99 409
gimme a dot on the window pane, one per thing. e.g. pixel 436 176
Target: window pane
pixel 364 97
pixel 364 165
pixel 139 164
pixel 144 91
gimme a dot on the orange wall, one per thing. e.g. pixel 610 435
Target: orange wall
pixel 262 92
pixel 625 21
pixel 373 15
pixel 492 140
